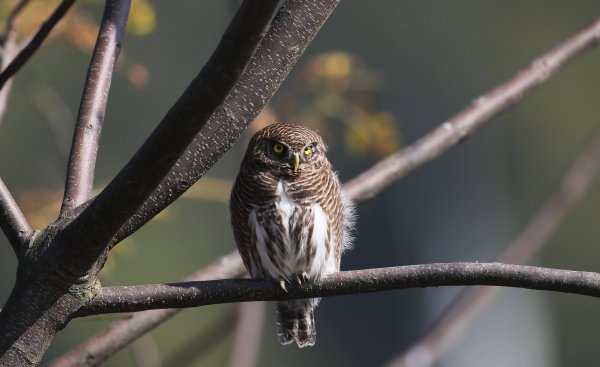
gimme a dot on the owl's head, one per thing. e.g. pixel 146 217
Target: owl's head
pixel 287 149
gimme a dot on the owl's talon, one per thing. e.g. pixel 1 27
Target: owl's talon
pixel 282 285
pixel 298 280
pixel 304 277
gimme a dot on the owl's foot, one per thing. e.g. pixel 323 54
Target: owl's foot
pixel 301 279
pixel 298 281
pixel 282 285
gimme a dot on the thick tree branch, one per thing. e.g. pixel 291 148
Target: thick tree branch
pixel 122 332
pixel 194 294
pixel 482 110
pixel 82 160
pixel 86 238
pixel 292 30
pixel 25 54
pixel 12 221
pixel 449 328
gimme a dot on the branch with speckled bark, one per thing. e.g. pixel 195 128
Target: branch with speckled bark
pixel 92 108
pixel 194 294
pixel 292 30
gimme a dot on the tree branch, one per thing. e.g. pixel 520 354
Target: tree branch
pixel 291 31
pixel 482 110
pixel 86 238
pixel 12 221
pixel 449 328
pixel 12 17
pixel 82 160
pixel 8 45
pixel 37 40
pixel 122 332
pixel 194 294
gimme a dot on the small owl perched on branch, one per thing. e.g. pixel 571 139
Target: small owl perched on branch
pixel 290 218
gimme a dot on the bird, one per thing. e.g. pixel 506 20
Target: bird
pixel 291 219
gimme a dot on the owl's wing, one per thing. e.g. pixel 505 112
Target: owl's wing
pixel 239 212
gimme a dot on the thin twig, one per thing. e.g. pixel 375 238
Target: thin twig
pixel 86 239
pixel 195 294
pixel 12 221
pixel 449 328
pixel 25 54
pixel 13 16
pixel 482 110
pixel 9 48
pixel 82 160
pixel 122 332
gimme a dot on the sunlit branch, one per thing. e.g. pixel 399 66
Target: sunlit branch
pixel 82 160
pixel 482 110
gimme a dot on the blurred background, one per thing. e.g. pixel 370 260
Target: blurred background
pixel 377 77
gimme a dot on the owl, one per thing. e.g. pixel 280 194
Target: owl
pixel 291 220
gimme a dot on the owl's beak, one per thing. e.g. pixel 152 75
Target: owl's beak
pixel 296 162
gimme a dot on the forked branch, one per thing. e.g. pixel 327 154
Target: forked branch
pixel 122 332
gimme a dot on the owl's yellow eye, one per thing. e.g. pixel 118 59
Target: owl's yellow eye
pixel 308 150
pixel 278 148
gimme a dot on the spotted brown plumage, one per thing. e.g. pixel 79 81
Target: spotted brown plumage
pixel 290 218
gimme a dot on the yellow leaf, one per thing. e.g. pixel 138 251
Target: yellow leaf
pixel 142 18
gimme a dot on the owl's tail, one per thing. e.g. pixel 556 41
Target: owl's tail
pixel 296 322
